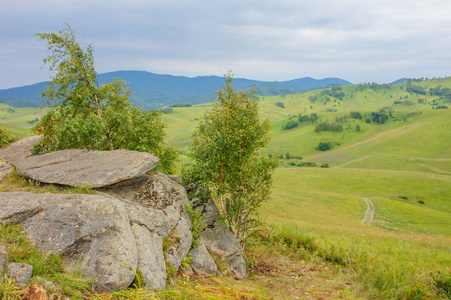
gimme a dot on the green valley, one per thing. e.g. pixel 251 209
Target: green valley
pixel 402 166
pixel 389 143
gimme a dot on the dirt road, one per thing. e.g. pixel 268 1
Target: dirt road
pixel 370 211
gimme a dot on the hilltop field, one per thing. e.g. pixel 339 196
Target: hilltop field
pixel 363 191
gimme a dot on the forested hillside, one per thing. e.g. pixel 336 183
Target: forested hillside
pixel 157 91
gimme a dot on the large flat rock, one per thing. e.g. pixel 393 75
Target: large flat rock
pixel 75 167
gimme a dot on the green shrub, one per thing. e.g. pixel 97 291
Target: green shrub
pixel 355 115
pixel 323 146
pixel 167 110
pixel 326 126
pixel 6 138
pixel 379 117
pixel 197 224
pixel 280 104
pixel 290 124
pixel 170 271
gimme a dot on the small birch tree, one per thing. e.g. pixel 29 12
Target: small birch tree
pixel 225 149
pixel 86 115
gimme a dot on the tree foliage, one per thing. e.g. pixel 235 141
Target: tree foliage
pixel 225 149
pixel 304 118
pixel 417 89
pixel 280 104
pixel 85 115
pixel 379 117
pixel 326 126
pixel 6 138
pixel 355 115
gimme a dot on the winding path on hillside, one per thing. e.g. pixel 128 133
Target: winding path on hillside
pixel 432 168
pixel 379 136
pixel 370 211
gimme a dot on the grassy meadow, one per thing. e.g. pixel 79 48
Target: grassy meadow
pixel 403 166
pixel 19 120
pixel 399 253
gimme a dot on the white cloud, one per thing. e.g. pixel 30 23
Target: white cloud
pixel 371 40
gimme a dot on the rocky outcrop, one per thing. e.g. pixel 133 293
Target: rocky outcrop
pixel 156 207
pixel 136 221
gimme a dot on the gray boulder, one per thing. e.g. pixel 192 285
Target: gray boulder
pixel 182 239
pixel 222 242
pixel 19 149
pixel 20 273
pixel 88 229
pixel 151 262
pixel 85 167
pixel 157 202
pixel 3 260
pixel 216 238
pixel 202 262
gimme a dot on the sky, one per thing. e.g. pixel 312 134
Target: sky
pixel 356 40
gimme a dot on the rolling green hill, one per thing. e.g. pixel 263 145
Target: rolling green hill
pixel 19 120
pixel 399 161
pixel 414 135
pixel 402 167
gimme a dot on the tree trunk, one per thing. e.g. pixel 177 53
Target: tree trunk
pixel 105 131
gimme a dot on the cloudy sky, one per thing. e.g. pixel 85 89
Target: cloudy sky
pixel 357 40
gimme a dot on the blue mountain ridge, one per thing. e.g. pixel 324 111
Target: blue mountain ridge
pixel 155 91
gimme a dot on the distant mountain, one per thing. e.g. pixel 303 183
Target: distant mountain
pixel 401 80
pixel 156 91
pixel 25 96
